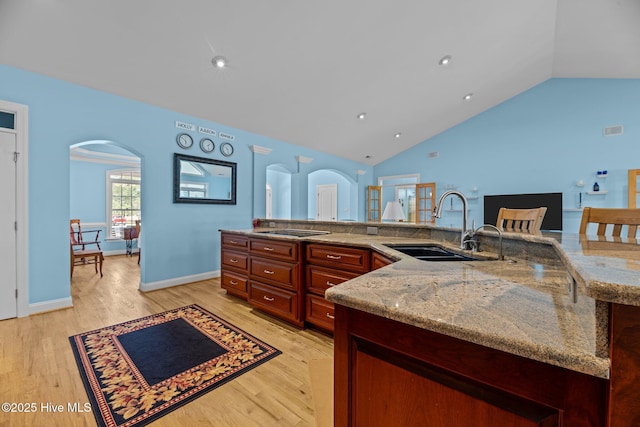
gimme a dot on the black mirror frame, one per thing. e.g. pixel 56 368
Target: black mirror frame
pixel 177 157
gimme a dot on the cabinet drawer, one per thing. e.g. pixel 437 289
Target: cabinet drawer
pixel 282 274
pixel 354 259
pixel 234 283
pixel 278 249
pixel 276 301
pixel 319 279
pixel 236 241
pixel 237 260
pixel 320 312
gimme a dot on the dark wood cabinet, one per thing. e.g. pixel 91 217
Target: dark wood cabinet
pixel 378 260
pixel 275 279
pixel 275 301
pixel 390 373
pixel 234 264
pixel 339 257
pixel 327 266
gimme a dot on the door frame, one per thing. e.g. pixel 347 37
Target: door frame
pixel 22 233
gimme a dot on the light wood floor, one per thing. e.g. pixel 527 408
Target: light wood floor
pixel 37 364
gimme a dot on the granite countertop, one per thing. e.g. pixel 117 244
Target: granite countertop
pixel 520 306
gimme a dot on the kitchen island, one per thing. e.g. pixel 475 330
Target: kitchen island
pixel 548 337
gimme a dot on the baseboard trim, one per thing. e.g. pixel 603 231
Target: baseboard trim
pixel 153 286
pixel 55 304
pixel 118 252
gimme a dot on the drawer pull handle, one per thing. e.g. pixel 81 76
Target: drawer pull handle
pixel 266 248
pixel 233 242
pixel 330 284
pixel 330 316
pixel 268 271
pixel 233 260
pixel 233 282
pixel 334 256
pixel 268 299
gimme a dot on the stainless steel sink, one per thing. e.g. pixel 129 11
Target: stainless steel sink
pixel 431 253
pixel 294 232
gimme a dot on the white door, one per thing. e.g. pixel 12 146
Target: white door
pixel 327 202
pixel 8 284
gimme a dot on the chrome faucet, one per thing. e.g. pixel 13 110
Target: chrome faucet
pixel 472 239
pixel 437 212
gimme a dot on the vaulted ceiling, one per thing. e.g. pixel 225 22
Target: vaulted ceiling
pixel 301 71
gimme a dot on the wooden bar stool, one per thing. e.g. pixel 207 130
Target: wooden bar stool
pixel 616 217
pixel 521 220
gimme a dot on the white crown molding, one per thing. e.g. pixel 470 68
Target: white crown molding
pixel 303 159
pixel 84 155
pixel 260 150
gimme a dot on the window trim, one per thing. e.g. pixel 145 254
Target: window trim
pixel 108 183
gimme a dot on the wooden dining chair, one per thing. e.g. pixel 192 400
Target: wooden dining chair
pixel 521 220
pixel 86 257
pixel 138 234
pixel 616 217
pixel 81 239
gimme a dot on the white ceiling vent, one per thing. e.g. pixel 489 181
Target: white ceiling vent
pixel 612 130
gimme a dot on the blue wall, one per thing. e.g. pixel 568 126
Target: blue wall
pixel 280 183
pixel 543 140
pixel 88 198
pixel 348 205
pixel 284 156
pixel 180 240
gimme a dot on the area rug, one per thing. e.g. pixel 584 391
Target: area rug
pixel 137 371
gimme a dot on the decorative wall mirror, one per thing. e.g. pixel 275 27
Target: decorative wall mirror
pixel 201 180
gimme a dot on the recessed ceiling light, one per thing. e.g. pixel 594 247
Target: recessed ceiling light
pixel 219 62
pixel 467 96
pixel 445 60
pixel 361 116
pixel 397 135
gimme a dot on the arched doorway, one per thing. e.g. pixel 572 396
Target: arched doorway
pixel 105 180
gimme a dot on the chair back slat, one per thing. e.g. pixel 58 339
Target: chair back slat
pixel 521 220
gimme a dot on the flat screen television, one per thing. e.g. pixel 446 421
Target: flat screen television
pixel 553 202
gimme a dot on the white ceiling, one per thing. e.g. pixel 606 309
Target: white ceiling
pixel 300 70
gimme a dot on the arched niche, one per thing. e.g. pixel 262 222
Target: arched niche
pixel 346 197
pixel 278 191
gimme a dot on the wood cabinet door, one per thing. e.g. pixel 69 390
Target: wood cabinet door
pixel 379 260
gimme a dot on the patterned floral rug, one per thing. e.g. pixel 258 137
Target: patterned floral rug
pixel 138 371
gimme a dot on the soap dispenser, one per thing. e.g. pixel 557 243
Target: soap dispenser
pixel 596 187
